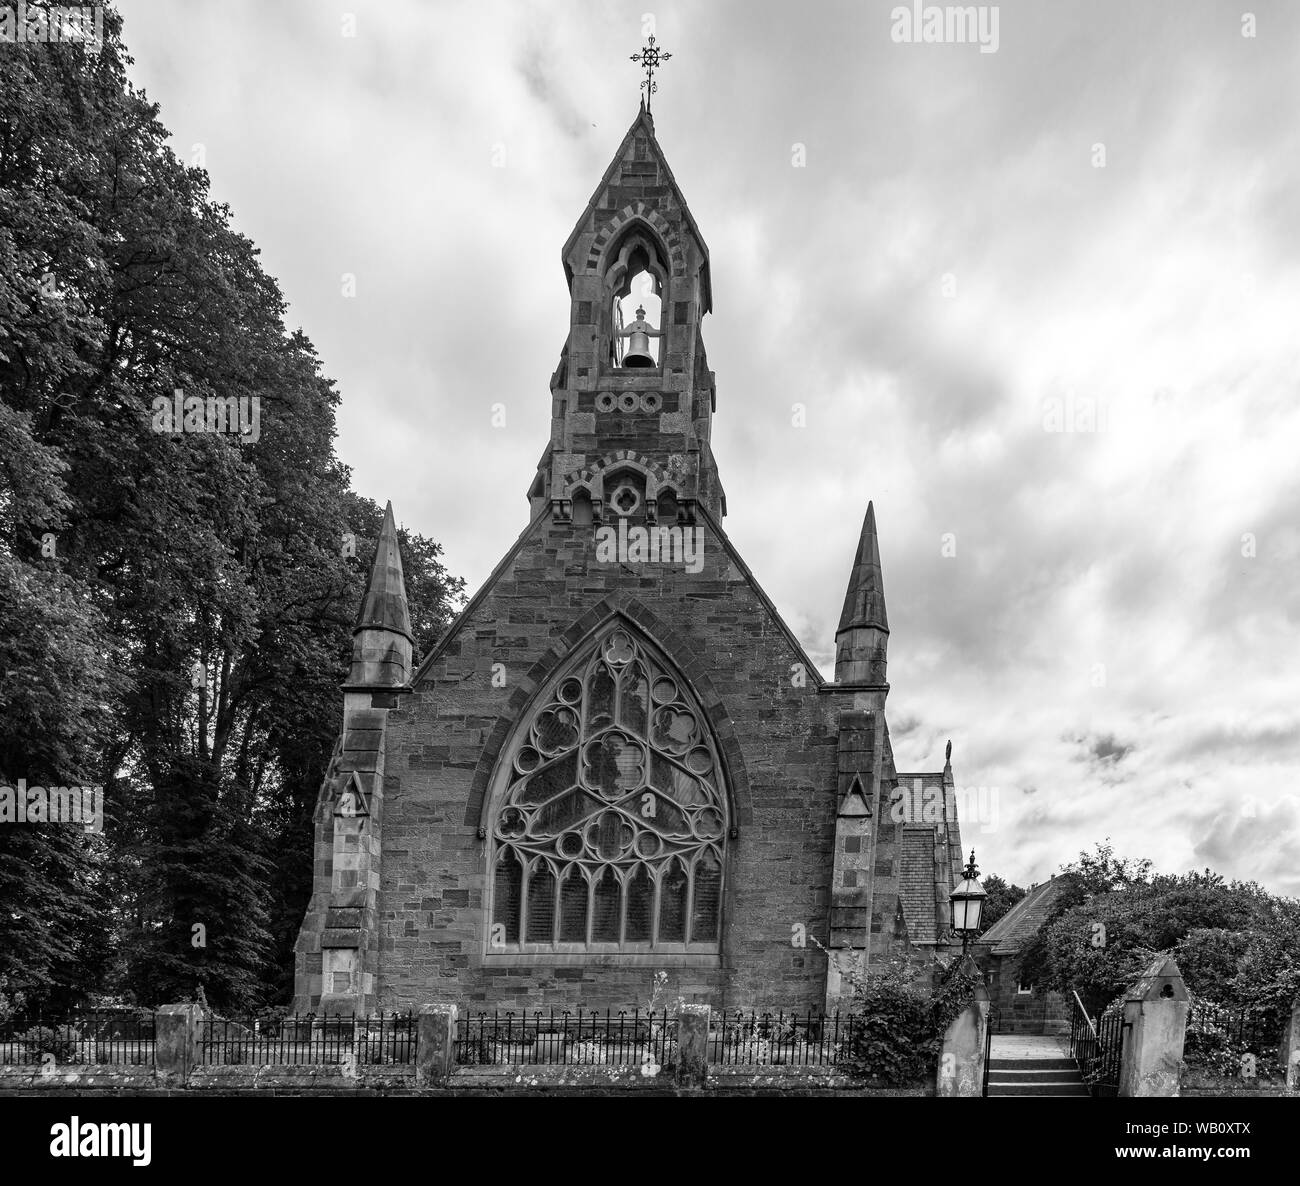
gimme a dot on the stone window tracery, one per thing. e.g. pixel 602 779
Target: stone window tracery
pixel 609 817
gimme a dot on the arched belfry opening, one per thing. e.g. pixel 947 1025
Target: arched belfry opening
pixel 636 284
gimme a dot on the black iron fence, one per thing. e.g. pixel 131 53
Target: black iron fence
pixel 105 1037
pixel 303 1038
pixel 649 1039
pixel 1098 1047
pixel 626 1038
pixel 783 1039
pixel 569 1037
pixel 1245 1028
pixel 1236 1041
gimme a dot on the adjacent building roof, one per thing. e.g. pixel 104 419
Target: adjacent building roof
pixel 1015 928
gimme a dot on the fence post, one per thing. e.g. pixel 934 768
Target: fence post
pixel 435 1055
pixel 1289 1052
pixel 1155 1010
pixel 961 1059
pixel 692 1045
pixel 176 1042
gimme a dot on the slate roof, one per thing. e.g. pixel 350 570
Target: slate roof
pixel 934 780
pixel 1015 928
pixel 916 883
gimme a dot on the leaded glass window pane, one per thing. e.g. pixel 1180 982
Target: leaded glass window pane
pixel 605 920
pixel 573 906
pixel 610 795
pixel 672 904
pixel 507 895
pixel 541 904
pixel 640 906
pixel 706 895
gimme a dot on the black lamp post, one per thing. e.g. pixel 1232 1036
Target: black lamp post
pixel 966 904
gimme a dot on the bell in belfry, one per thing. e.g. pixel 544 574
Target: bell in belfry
pixel 639 334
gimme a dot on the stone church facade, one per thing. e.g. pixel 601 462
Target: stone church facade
pixel 619 759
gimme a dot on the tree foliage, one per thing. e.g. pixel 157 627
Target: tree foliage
pixel 1113 915
pixel 132 558
pixel 1002 895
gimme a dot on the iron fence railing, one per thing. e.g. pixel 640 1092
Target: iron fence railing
pixel 1098 1047
pixel 992 1027
pixel 807 1039
pixel 1236 1041
pixel 1083 1033
pixel 637 1038
pixel 304 1038
pixel 567 1037
pixel 105 1037
pixel 1112 1031
pixel 1243 1028
pixel 578 1037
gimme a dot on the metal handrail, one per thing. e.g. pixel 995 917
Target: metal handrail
pixel 991 1024
pixel 1092 1025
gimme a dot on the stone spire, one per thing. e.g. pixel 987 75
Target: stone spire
pixel 381 641
pixel 862 639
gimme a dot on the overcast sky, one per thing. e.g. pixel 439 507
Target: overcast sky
pixel 1111 640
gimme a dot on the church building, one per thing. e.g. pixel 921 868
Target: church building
pixel 619 760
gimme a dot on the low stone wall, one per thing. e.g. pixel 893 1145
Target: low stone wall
pixel 74 1079
pixel 1200 1081
pixel 465 1081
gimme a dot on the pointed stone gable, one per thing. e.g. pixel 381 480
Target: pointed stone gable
pixel 855 802
pixel 352 799
pixel 637 183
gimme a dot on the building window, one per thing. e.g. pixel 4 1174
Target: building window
pixel 609 818
pixel 1024 989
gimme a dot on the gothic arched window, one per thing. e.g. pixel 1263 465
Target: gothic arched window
pixel 609 816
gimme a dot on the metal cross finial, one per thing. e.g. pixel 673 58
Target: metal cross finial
pixel 650 57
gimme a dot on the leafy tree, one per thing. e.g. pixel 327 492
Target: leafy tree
pixel 1114 916
pixel 1002 895
pixel 1209 958
pixel 183 642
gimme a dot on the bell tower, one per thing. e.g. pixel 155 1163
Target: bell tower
pixel 632 399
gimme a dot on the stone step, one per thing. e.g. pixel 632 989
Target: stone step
pixel 1035 1077
pixel 1037 1089
pixel 1032 1064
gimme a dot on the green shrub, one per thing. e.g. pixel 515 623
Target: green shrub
pixel 897 1019
pixel 62 1041
pixel 1214 1042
